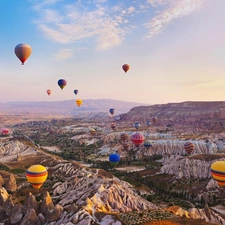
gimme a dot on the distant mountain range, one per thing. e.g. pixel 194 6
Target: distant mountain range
pixel 199 114
pixel 89 108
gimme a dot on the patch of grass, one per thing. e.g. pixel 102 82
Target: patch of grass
pixel 17 170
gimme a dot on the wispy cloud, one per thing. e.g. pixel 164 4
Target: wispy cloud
pixel 175 9
pixel 106 23
pixel 63 54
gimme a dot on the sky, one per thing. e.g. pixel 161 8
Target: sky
pixel 175 49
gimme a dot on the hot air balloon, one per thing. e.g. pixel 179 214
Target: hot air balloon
pixel 124 136
pixel 49 91
pixel 23 51
pixel 112 111
pixel 154 120
pixel 75 92
pixel 62 83
pixel 113 126
pixel 148 123
pixel 117 118
pixel 218 172
pixel 36 175
pixel 189 147
pixel 137 125
pixel 147 144
pixel 114 158
pixel 137 139
pixel 92 131
pixel 79 102
pixel 126 67
pixel 126 145
pixel 4 131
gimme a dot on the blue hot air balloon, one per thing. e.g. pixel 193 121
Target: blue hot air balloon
pixel 147 144
pixel 62 83
pixel 148 123
pixel 112 111
pixel 137 125
pixel 114 158
pixel 75 92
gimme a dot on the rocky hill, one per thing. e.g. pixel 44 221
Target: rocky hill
pixel 198 115
pixel 90 107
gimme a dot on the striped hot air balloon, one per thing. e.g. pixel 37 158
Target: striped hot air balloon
pixel 218 172
pixel 147 144
pixel 126 145
pixel 124 136
pixel 126 67
pixel 189 147
pixel 37 175
pixel 137 139
pixel 79 102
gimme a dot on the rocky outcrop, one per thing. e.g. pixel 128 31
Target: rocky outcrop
pixel 30 203
pixel 30 218
pixel 16 214
pixel 1 181
pixel 11 184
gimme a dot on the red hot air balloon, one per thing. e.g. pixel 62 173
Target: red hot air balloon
pixel 154 120
pixel 49 91
pixel 137 139
pixel 126 67
pixel 23 51
pixel 189 147
pixel 4 131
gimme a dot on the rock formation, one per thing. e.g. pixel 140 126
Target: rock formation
pixel 10 184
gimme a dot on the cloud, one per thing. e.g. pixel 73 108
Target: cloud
pixel 175 9
pixel 104 22
pixel 63 54
pixel 76 22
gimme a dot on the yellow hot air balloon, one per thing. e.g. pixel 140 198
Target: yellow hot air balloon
pixel 218 172
pixel 79 102
pixel 36 175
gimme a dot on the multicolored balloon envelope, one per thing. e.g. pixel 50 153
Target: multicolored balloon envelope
pixel 114 158
pixel 36 175
pixel 49 91
pixel 79 102
pixel 147 144
pixel 137 139
pixel 23 51
pixel 92 131
pixel 124 136
pixel 112 111
pixel 62 83
pixel 154 120
pixel 218 172
pixel 113 126
pixel 189 147
pixel 125 67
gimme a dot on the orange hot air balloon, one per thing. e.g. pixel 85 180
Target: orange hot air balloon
pixel 23 51
pixel 79 102
pixel 49 91
pixel 36 175
pixel 126 67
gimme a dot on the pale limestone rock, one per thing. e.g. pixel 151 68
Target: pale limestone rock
pixel 1 181
pixel 11 184
pixel 3 195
